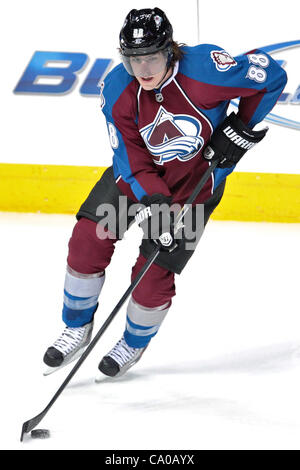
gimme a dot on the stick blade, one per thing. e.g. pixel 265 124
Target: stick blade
pixel 31 424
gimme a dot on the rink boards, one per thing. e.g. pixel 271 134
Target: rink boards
pixel 60 189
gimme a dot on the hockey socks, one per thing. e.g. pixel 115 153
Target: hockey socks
pixel 143 323
pixel 81 293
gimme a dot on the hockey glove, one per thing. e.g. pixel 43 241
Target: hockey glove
pixel 156 220
pixel 231 140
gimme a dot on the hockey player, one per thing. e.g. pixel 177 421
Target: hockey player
pixel 166 112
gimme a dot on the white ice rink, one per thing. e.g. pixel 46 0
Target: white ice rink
pixel 222 373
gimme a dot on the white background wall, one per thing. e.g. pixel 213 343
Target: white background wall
pixel 70 129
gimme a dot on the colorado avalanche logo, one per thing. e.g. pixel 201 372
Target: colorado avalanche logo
pixel 172 136
pixel 222 60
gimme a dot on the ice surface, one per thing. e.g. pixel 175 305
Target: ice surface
pixel 222 373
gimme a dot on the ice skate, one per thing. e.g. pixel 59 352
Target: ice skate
pixel 120 359
pixel 68 347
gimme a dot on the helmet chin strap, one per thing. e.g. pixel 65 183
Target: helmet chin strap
pixel 163 79
pixel 167 69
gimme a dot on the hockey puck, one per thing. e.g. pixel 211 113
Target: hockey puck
pixel 40 433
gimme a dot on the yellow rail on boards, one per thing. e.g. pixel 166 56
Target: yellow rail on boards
pixel 61 189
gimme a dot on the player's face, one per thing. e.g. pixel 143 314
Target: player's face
pixel 154 81
pixel 150 69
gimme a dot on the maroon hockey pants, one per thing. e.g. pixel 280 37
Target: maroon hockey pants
pixel 89 254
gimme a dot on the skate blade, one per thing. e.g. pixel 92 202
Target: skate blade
pixel 50 370
pixel 100 377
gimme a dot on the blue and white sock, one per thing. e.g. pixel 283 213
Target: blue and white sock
pixel 143 323
pixel 81 293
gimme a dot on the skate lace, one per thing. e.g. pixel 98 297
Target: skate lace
pixel 70 339
pixel 122 353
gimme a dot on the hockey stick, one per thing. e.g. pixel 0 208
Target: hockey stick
pixel 33 422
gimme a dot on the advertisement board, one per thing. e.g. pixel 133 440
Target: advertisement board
pixel 56 57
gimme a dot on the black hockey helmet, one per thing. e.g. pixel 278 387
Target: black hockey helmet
pixel 145 31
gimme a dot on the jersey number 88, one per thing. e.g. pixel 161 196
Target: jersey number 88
pixel 258 73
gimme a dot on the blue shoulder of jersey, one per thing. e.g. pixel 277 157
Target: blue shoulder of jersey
pixel 207 63
pixel 197 63
pixel 115 83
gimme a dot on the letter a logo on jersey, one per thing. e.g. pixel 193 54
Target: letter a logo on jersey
pixel 172 136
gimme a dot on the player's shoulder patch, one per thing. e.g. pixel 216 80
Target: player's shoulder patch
pixel 222 60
